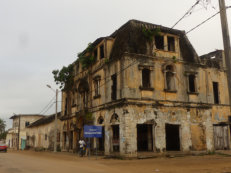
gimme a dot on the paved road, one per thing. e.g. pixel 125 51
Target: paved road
pixel 45 162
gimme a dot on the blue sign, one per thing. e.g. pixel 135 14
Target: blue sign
pixel 92 131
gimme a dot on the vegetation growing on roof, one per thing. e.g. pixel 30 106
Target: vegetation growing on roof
pixel 150 33
pixel 86 57
pixel 64 77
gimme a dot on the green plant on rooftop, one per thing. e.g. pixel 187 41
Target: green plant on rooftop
pixel 150 33
pixel 86 57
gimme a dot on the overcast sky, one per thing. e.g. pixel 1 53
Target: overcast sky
pixel 38 36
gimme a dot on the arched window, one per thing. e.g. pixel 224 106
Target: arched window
pixel 169 78
pixel 100 120
pixel 83 90
pixel 114 118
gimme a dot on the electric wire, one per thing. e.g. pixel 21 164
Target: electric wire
pixel 206 20
pixel 47 105
pixel 188 12
pixel 49 108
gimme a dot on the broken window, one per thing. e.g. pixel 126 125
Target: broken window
pixel 171 44
pixel 114 87
pixel 170 78
pixel 146 78
pixel 85 99
pixel 65 110
pixel 95 53
pixel 101 51
pixel 215 92
pixel 97 87
pixel 83 89
pixel 159 41
pixel 192 83
pixel 27 123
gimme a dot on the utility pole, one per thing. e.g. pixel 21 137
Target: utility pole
pixel 56 115
pixel 18 131
pixel 226 42
pixel 56 123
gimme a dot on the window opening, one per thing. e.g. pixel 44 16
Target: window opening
pixel 146 78
pixel 215 92
pixel 172 137
pixel 85 100
pixel 101 140
pixel 191 80
pixel 170 83
pixel 114 87
pixel 100 120
pixel 101 51
pixel 171 44
pixel 95 53
pixel 116 138
pixel 27 123
pixel 65 111
pixel 97 87
pixel 159 41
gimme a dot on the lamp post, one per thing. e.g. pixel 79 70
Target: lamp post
pixel 56 122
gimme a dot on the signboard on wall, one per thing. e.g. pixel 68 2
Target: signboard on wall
pixel 92 131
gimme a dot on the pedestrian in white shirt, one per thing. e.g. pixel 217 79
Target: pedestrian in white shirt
pixel 81 146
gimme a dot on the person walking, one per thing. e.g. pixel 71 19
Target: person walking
pixel 81 146
pixel 87 147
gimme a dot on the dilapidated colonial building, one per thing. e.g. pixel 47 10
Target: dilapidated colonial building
pixel 148 88
pixel 16 137
pixel 40 134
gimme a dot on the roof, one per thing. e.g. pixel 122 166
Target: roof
pixel 213 59
pixel 20 115
pixel 44 120
pixel 129 38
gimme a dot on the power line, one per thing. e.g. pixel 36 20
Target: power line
pixel 205 20
pixel 188 12
pixel 47 105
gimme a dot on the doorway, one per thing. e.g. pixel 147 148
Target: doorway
pixel 101 141
pixel 172 137
pixel 221 137
pixel 144 137
pixel 115 138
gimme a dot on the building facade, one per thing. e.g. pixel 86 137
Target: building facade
pixel 150 91
pixel 40 134
pixel 16 137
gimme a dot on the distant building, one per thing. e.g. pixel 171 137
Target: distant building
pixel 16 137
pixel 40 134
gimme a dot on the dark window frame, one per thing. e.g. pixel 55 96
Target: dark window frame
pixel 171 43
pixel 216 97
pixel 114 87
pixel 159 42
pixel 102 55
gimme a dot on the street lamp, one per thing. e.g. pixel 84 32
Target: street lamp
pixel 56 123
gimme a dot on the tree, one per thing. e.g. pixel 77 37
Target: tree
pixel 2 129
